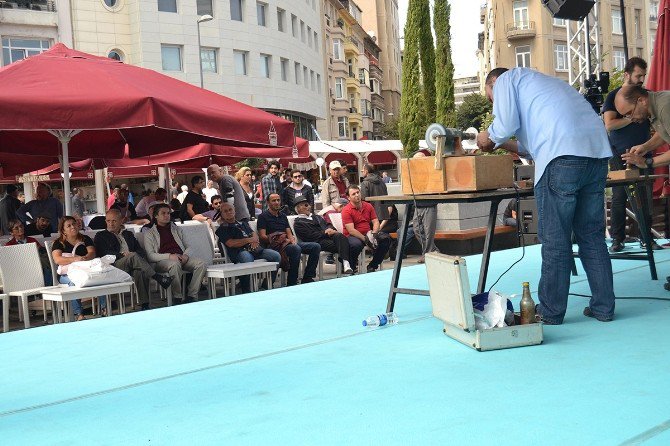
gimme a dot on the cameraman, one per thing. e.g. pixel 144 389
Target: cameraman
pixel 230 188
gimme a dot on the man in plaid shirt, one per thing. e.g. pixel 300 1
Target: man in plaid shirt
pixel 270 183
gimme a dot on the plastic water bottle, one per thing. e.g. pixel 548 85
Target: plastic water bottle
pixel 381 320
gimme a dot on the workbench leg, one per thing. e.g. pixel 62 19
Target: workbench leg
pixel 637 203
pixel 486 254
pixel 402 233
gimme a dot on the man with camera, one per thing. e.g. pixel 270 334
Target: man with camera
pixel 229 188
pixel 241 243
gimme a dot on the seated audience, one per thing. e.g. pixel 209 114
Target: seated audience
pixel 275 232
pixel 296 189
pixel 123 245
pixel 127 209
pixel 44 204
pixel 361 223
pixel 152 221
pixel 242 245
pixel 19 238
pixel 335 207
pixel 193 203
pixel 509 216
pixel 310 227
pixel 165 247
pixel 72 246
pixel 212 215
pixel 40 226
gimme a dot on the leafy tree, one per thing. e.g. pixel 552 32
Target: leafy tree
pixel 472 112
pixel 444 75
pixel 616 80
pixel 389 129
pixel 412 124
pixel 427 57
pixel 251 163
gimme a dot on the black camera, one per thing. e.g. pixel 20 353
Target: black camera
pixel 595 88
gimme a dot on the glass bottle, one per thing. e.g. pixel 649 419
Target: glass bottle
pixel 527 306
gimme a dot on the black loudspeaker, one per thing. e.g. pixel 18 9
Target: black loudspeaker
pixel 569 9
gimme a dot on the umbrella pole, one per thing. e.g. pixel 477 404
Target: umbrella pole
pixel 64 136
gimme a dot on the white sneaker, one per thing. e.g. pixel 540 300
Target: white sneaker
pixel 347 267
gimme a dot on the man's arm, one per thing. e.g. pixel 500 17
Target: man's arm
pixel 614 123
pixel 375 225
pixel 652 144
pixel 634 158
pixel 262 234
pixel 189 210
pixel 351 229
pixel 290 236
pixel 325 196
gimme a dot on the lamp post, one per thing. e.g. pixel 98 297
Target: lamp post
pixel 201 19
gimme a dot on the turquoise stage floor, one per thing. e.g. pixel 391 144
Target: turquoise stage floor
pixel 294 366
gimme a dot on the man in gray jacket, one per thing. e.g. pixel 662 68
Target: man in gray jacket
pixel 164 244
pixel 229 187
pixel 335 186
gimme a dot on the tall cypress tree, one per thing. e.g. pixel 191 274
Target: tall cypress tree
pixel 427 57
pixel 412 124
pixel 444 75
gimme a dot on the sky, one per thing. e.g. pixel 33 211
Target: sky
pixel 464 29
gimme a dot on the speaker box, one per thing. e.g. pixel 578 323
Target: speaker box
pixel 569 9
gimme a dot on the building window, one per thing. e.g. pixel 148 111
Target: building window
pixel 294 26
pixel 171 57
pixel 18 49
pixel 559 22
pixel 316 42
pixel 296 69
pixel 266 65
pixel 281 19
pixel 304 77
pixel 560 57
pixel 261 9
pixel 110 3
pixel 167 5
pixel 638 31
pixel 302 31
pixel 521 14
pixel 339 88
pixel 312 80
pixel 204 7
pixel 619 59
pixel 523 56
pixel 318 83
pixel 343 127
pixel 337 49
pixel 240 58
pixel 284 69
pixel 208 60
pixel 236 7
pixel 653 10
pixel 309 36
pixel 617 23
pixel 116 55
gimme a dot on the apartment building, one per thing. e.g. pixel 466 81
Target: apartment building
pixel 380 20
pixel 465 86
pixel 351 59
pixel 522 33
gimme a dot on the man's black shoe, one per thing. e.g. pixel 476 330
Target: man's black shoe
pixel 589 313
pixel 307 280
pixel 145 306
pixel 654 246
pixel 163 281
pixel 371 268
pixel 617 246
pixel 188 300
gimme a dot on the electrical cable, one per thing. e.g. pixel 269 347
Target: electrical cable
pixel 667 299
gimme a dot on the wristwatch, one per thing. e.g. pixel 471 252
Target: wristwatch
pixel 649 162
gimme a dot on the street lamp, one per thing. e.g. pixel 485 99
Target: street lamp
pixel 201 19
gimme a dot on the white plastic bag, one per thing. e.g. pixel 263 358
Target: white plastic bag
pixel 494 312
pixel 96 272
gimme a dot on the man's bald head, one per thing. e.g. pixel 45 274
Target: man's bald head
pixel 632 102
pixel 214 171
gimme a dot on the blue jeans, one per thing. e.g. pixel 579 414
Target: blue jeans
pixel 293 252
pixel 76 304
pixel 246 257
pixel 312 249
pixel 570 199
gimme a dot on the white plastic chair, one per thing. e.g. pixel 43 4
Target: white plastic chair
pixel 5 312
pixel 336 220
pixel 22 276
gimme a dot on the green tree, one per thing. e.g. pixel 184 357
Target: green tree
pixel 472 112
pixel 412 123
pixel 427 58
pixel 616 80
pixel 389 129
pixel 444 76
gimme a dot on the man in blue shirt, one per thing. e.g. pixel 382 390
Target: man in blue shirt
pixel 275 232
pixel 556 127
pixel 624 134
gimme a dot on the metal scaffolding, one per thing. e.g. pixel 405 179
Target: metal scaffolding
pixel 583 39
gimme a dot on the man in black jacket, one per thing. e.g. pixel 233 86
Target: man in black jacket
pixel 310 227
pixel 8 206
pixel 129 255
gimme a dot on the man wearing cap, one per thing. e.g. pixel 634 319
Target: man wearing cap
pixel 311 227
pixel 8 206
pixel 44 204
pixel 123 245
pixel 40 226
pixel 335 186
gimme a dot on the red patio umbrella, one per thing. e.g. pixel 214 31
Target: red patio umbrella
pixel 87 105
pixel 659 74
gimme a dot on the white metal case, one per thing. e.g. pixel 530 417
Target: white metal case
pixel 452 303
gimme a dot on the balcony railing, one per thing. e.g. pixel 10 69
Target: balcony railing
pixel 44 5
pixel 520 30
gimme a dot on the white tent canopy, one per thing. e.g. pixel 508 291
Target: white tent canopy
pixel 326 147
